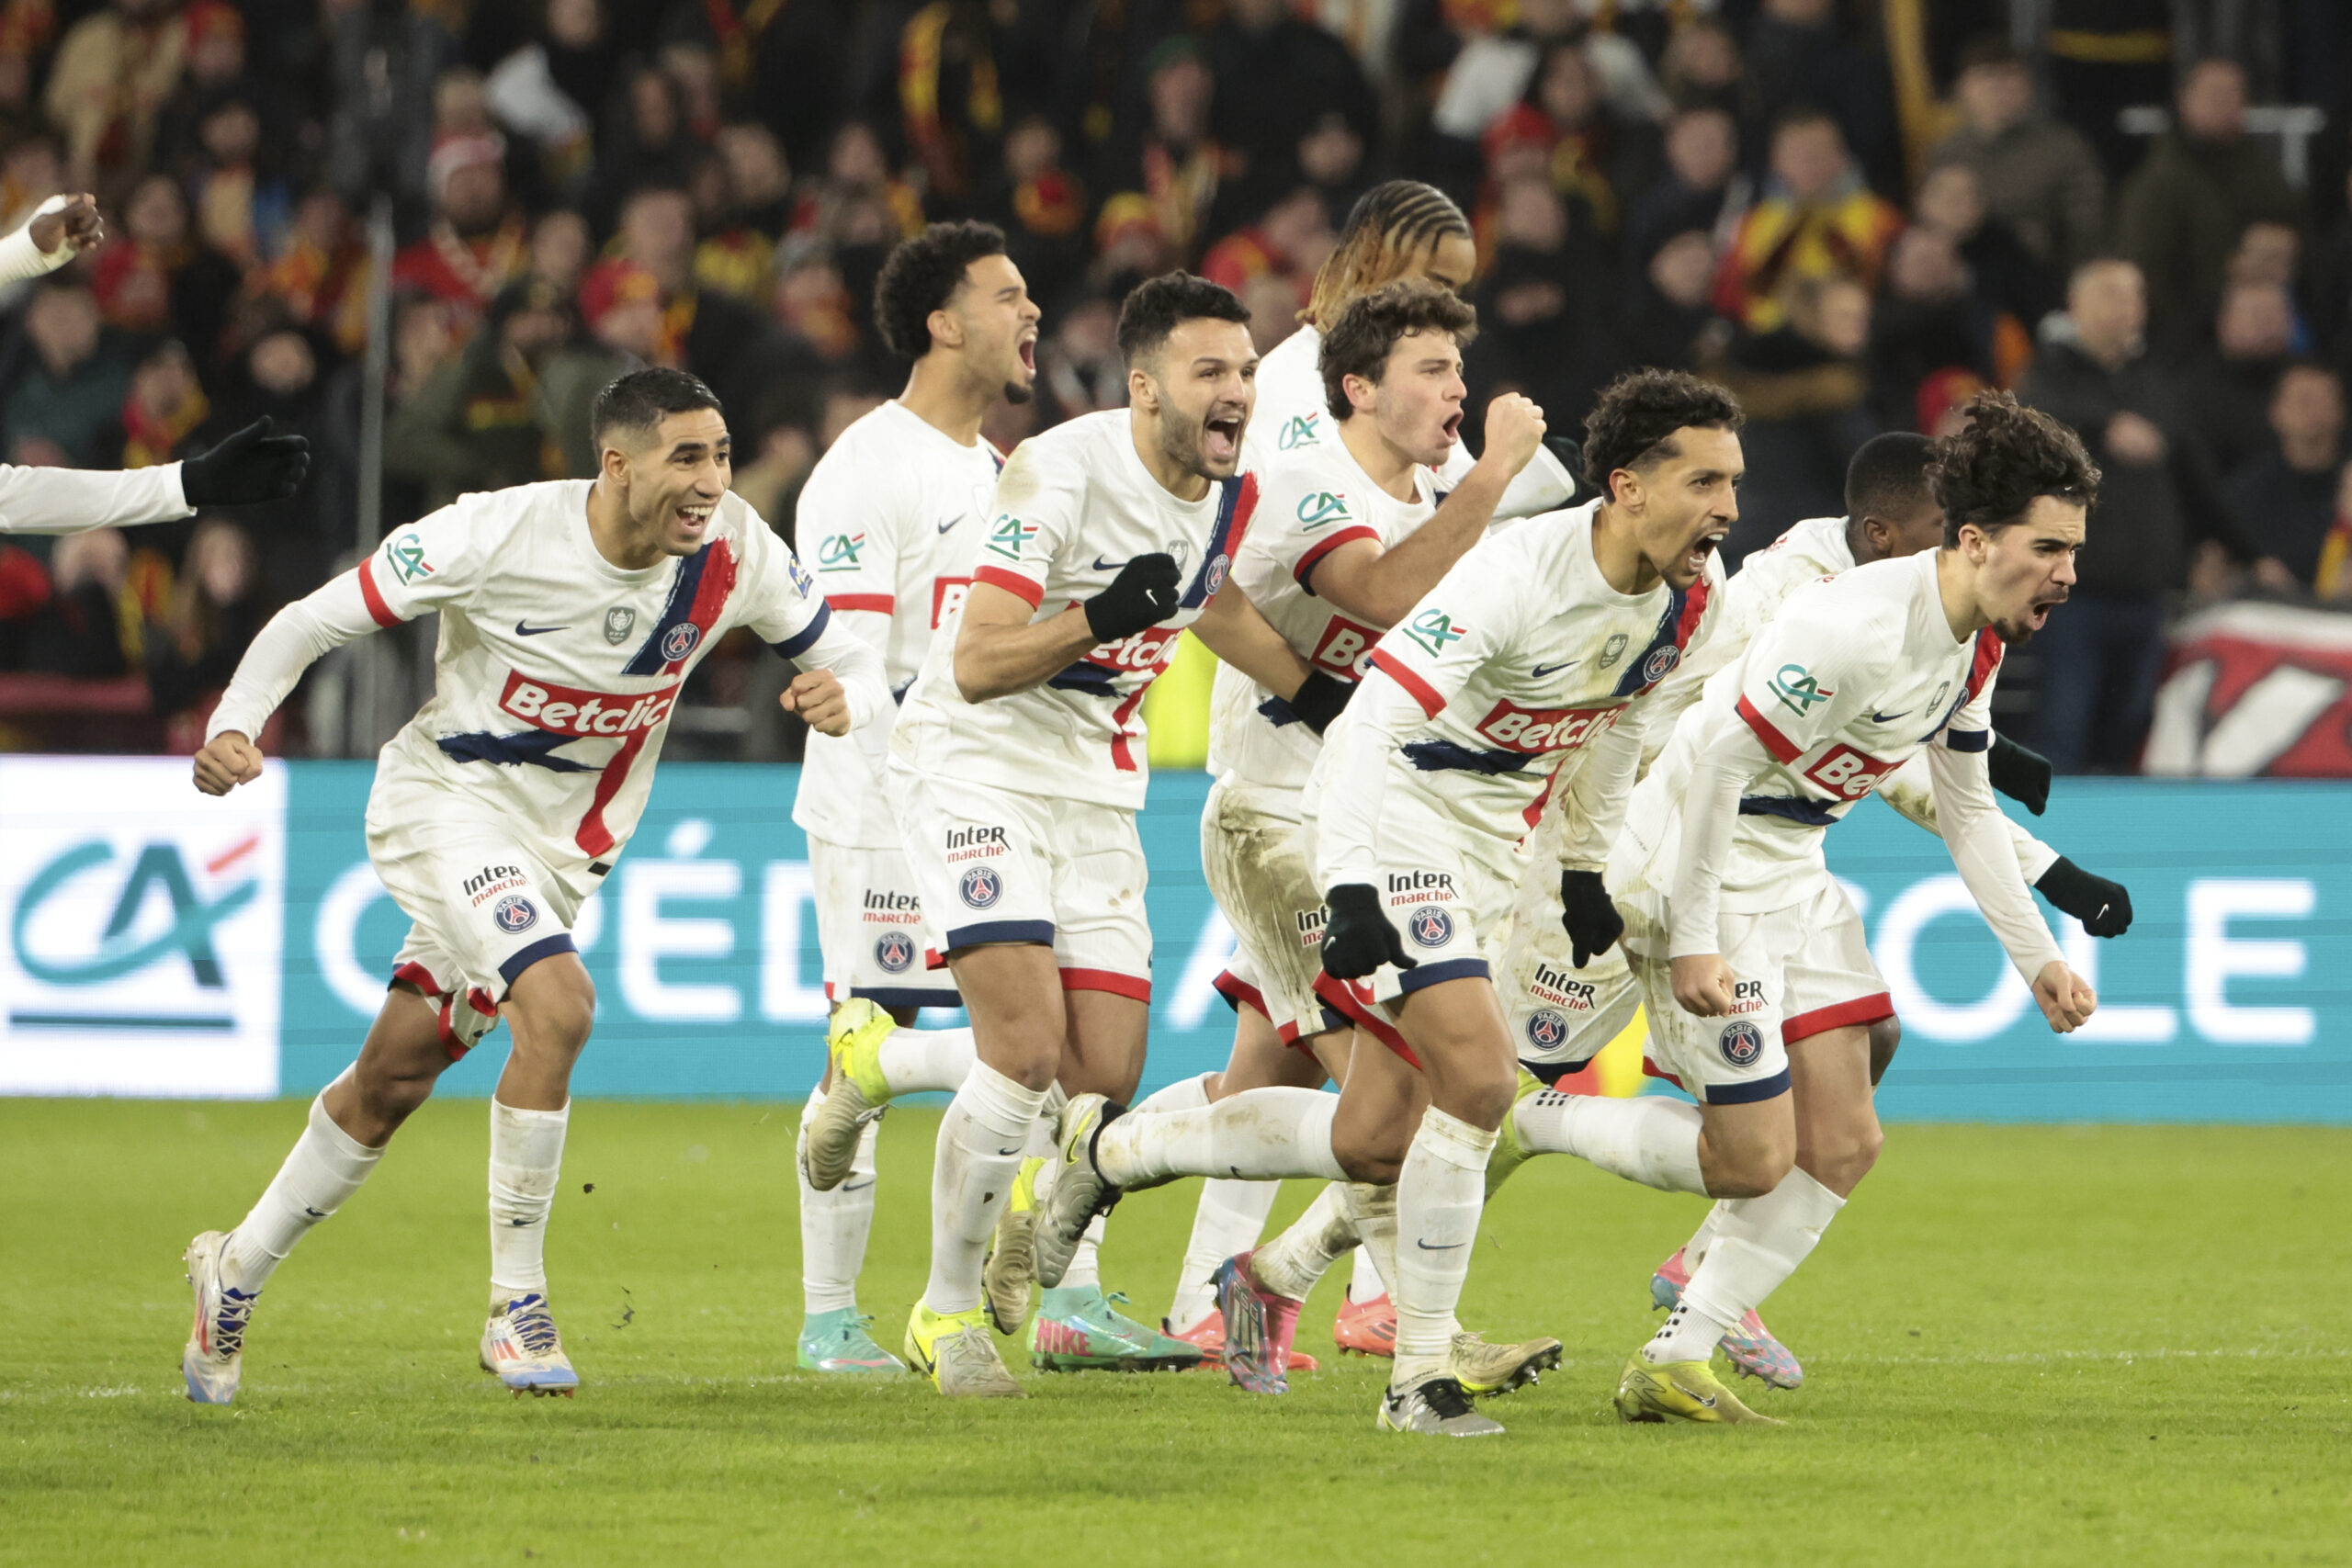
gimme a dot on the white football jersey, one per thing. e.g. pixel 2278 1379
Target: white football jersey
pixel 1310 502
pixel 1073 506
pixel 557 672
pixel 1520 658
pixel 889 520
pixel 1856 675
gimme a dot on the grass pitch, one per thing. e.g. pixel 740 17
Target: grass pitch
pixel 2024 1344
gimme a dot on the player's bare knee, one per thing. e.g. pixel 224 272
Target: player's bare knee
pixel 1373 1154
pixel 1744 1167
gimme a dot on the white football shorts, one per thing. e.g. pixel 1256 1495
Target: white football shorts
pixel 870 929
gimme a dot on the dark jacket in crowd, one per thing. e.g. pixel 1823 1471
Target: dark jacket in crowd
pixel 2183 211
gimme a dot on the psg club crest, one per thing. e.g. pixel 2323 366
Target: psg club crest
pixel 1547 1030
pixel 618 621
pixel 1218 569
pixel 1659 664
pixel 1431 926
pixel 1742 1043
pixel 679 641
pixel 515 914
pixel 982 887
pixel 894 950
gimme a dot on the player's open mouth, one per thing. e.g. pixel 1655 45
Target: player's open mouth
pixel 1027 349
pixel 2038 613
pixel 1695 558
pixel 695 516
pixel 1221 437
pixel 1452 427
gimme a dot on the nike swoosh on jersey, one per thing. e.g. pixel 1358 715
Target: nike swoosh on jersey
pixel 1441 1246
pixel 951 523
pixel 525 629
pixel 1887 717
pixel 1101 565
pixel 1543 670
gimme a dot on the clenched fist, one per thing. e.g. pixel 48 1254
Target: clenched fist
pixel 1514 432
pixel 227 760
pixel 817 697
pixel 2066 998
pixel 76 224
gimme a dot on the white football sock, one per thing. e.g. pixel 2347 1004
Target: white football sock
pixel 914 1060
pixel 835 1227
pixel 1694 1251
pixel 1366 1284
pixel 1292 1263
pixel 1373 1210
pixel 1229 1219
pixel 1650 1138
pixel 321 1173
pixel 980 1142
pixel 1255 1135
pixel 1438 1195
pixel 1184 1094
pixel 1758 1243
pixel 525 1160
pixel 1085 1258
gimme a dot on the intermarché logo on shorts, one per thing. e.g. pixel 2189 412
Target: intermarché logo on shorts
pixel 975 843
pixel 1420 886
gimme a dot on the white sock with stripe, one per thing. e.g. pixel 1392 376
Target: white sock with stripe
pixel 980 1142
pixel 1652 1139
pixel 1758 1244
pixel 322 1171
pixel 1438 1195
pixel 525 1162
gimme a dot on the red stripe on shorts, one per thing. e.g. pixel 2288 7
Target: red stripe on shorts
pixel 1821 1020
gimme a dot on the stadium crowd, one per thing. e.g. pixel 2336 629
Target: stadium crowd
pixel 1853 215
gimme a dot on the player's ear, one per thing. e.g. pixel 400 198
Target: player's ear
pixel 946 331
pixel 1141 392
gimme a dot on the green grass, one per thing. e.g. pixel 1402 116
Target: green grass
pixel 2026 1344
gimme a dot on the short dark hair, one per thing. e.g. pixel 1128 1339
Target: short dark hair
pixel 921 275
pixel 2005 455
pixel 641 399
pixel 1633 422
pixel 1802 114
pixel 1157 305
pixel 1358 344
pixel 1888 477
pixel 1989 49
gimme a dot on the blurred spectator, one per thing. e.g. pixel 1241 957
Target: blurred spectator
pixel 243 206
pixel 215 67
pixel 79 632
pixel 1175 165
pixel 1286 244
pixel 2104 56
pixel 1596 158
pixel 2183 211
pixel 1276 74
pixel 561 247
pixel 1701 185
pixel 1702 68
pixel 778 454
pixel 66 373
pixel 857 201
pixel 152 277
pixel 1816 221
pixel 646 141
pixel 473 247
pixel 278 378
pixel 1927 318
pixel 2035 175
pixel 165 408
pixel 2287 497
pixel 1806 386
pixel 1333 159
pixel 951 106
pixel 1041 207
pixel 1079 369
pixel 2099 656
pixel 2007 275
pixel 1669 323
pixel 731 255
pixel 216 609
pixel 1798 56
pixel 112 73
pixel 477 423
pixel 725 343
pixel 1544 325
pixel 815 305
pixel 2227 387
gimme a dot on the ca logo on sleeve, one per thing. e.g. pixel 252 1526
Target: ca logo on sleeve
pixel 1797 690
pixel 405 556
pixel 1322 507
pixel 1009 535
pixel 840 552
pixel 1434 629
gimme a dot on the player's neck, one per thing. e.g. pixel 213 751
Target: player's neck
pixel 940 395
pixel 1387 466
pixel 1956 586
pixel 1618 553
pixel 616 536
pixel 1178 481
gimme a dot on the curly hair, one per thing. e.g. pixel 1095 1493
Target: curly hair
pixel 1632 424
pixel 1157 306
pixel 1387 230
pixel 2005 455
pixel 1358 344
pixel 921 275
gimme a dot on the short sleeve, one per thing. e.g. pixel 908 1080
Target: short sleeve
pixel 1806 676
pixel 1037 501
pixel 435 560
pixel 782 600
pixel 1458 625
pixel 1302 517
pixel 848 535
pixel 1971 727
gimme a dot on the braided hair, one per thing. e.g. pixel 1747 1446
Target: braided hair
pixel 1391 225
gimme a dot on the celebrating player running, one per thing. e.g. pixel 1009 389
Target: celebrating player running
pixel 572 613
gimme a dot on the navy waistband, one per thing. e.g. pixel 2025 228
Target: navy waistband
pixel 1440 755
pixel 1811 813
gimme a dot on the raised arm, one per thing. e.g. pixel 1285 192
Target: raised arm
pixel 295 638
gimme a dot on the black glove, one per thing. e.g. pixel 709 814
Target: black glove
pixel 1588 915
pixel 248 466
pixel 2103 906
pixel 2022 775
pixel 1357 937
pixel 1571 456
pixel 1319 698
pixel 1143 594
